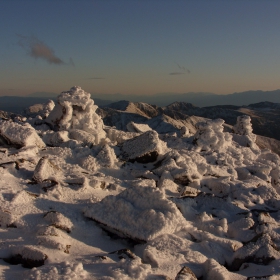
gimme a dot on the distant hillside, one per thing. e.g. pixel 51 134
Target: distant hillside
pixel 200 99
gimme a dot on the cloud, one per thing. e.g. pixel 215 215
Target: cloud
pixel 39 50
pixel 177 73
pixel 182 71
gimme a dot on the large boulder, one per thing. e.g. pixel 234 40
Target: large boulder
pixel 140 213
pixel 20 135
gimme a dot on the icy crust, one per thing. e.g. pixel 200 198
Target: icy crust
pixel 141 213
pixel 76 110
pixel 20 135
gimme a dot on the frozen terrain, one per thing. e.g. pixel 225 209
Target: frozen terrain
pixel 148 197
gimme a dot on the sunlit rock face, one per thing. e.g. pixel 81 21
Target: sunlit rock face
pixel 76 110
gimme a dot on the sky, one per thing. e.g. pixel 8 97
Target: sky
pixel 139 47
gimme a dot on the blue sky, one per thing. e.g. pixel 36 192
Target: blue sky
pixel 139 47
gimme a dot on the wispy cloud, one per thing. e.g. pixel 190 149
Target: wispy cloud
pixel 183 70
pixel 176 73
pixel 40 50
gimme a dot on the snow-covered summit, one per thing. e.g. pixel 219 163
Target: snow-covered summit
pixel 166 197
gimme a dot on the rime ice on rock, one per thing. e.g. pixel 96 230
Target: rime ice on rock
pixel 106 157
pixel 243 129
pixel 136 127
pixel 44 170
pixel 20 135
pixel 76 110
pixel 42 110
pixel 7 219
pixel 140 213
pixel 28 256
pixel 210 136
pixel 55 139
pixel 59 221
pixel 144 148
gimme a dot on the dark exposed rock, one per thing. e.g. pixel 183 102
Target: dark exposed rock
pixel 185 274
pixel 28 256
pixel 124 254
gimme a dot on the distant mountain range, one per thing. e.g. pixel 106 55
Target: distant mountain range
pixel 200 99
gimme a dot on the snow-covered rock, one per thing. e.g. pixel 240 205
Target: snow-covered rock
pixel 144 148
pixel 76 110
pixel 244 132
pixel 140 213
pixel 28 256
pixel 44 170
pixel 210 136
pixel 59 221
pixel 20 135
pixel 136 127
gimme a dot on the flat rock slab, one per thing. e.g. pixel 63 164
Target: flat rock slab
pixel 139 213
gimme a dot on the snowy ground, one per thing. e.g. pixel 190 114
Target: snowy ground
pixel 83 201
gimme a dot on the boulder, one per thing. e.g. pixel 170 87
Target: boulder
pixel 140 213
pixel 20 135
pixel 28 256
pixel 144 148
pixel 58 220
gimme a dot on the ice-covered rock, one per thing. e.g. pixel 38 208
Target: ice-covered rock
pixel 59 221
pixel 20 135
pixel 44 170
pixel 261 250
pixel 210 136
pixel 244 132
pixel 213 270
pixel 136 127
pixel 106 157
pixel 55 139
pixel 140 213
pixel 28 256
pixel 7 219
pixel 42 110
pixel 144 148
pixel 76 110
